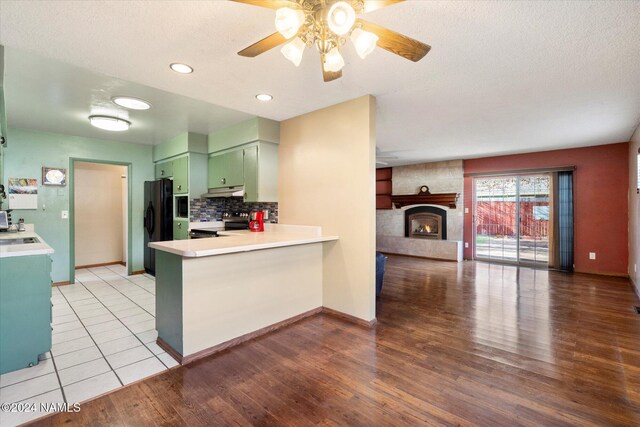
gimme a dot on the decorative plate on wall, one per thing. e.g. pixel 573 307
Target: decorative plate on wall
pixel 54 176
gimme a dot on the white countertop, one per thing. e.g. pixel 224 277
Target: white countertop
pixel 274 236
pixel 40 248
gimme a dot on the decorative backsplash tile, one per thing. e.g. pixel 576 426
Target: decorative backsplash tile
pixel 211 209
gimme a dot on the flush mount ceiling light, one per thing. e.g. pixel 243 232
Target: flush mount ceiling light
pixel 181 68
pixel 326 24
pixel 264 97
pixel 109 123
pixel 131 102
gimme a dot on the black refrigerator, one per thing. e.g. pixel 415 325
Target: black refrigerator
pixel 158 218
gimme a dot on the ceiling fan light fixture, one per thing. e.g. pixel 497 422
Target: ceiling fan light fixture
pixel 289 21
pixel 293 51
pixel 333 61
pixel 109 123
pixel 364 42
pixel 341 18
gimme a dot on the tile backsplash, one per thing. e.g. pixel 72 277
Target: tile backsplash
pixel 211 209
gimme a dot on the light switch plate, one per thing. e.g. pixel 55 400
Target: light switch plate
pixel 466 244
pixel 64 214
pixel 592 255
pixel 466 210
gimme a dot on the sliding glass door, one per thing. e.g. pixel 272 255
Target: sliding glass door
pixel 511 218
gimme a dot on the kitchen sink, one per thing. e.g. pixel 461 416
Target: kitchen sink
pixel 18 241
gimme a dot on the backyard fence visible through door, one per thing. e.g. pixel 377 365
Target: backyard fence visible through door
pixel 524 219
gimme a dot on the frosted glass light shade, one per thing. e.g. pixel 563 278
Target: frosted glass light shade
pixel 289 21
pixel 113 124
pixel 131 102
pixel 293 51
pixel 341 18
pixel 333 61
pixel 364 42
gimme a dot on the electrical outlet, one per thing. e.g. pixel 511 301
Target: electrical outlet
pixel 64 214
pixel 466 210
pixel 466 244
pixel 592 255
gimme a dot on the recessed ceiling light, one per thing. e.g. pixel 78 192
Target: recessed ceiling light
pixel 131 103
pixel 113 124
pixel 264 97
pixel 181 68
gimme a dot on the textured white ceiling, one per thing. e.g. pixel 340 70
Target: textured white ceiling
pixel 52 96
pixel 502 77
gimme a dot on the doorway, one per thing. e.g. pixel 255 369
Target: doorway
pixel 513 218
pixel 100 219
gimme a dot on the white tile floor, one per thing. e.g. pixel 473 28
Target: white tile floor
pixel 103 338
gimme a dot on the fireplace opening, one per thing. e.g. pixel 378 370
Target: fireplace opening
pixel 425 222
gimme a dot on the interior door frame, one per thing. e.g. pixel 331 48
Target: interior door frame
pixel 517 262
pixel 72 215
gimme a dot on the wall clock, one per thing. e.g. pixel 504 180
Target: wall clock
pixel 54 176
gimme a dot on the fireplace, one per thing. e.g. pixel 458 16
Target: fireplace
pixel 425 222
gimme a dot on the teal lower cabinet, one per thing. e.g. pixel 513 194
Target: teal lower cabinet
pixel 25 310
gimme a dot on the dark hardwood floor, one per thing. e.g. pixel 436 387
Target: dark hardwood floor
pixel 455 344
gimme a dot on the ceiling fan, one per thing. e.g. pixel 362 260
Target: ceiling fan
pixel 326 24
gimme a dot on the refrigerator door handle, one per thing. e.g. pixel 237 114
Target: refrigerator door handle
pixel 149 219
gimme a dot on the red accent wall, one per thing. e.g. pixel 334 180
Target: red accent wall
pixel 601 210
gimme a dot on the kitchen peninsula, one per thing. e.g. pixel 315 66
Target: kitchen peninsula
pixel 216 292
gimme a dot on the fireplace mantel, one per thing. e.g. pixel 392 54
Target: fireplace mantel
pixel 425 198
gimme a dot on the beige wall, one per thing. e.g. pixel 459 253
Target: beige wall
pixel 327 178
pixel 634 212
pixel 98 213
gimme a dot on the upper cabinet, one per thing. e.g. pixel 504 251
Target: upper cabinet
pixel 180 169
pixel 254 166
pixel 226 169
pixel 183 159
pixel 164 169
pixel 246 155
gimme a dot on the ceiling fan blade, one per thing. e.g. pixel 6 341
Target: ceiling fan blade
pixel 271 4
pixel 370 5
pixel 329 76
pixel 396 43
pixel 263 45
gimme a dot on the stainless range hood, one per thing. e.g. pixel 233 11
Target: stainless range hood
pixel 237 191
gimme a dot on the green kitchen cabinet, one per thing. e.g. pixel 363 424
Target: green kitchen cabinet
pixel 251 173
pixel 164 169
pixel 180 169
pixel 254 165
pixel 226 169
pixel 25 310
pixel 261 172
pixel 217 171
pixel 180 229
